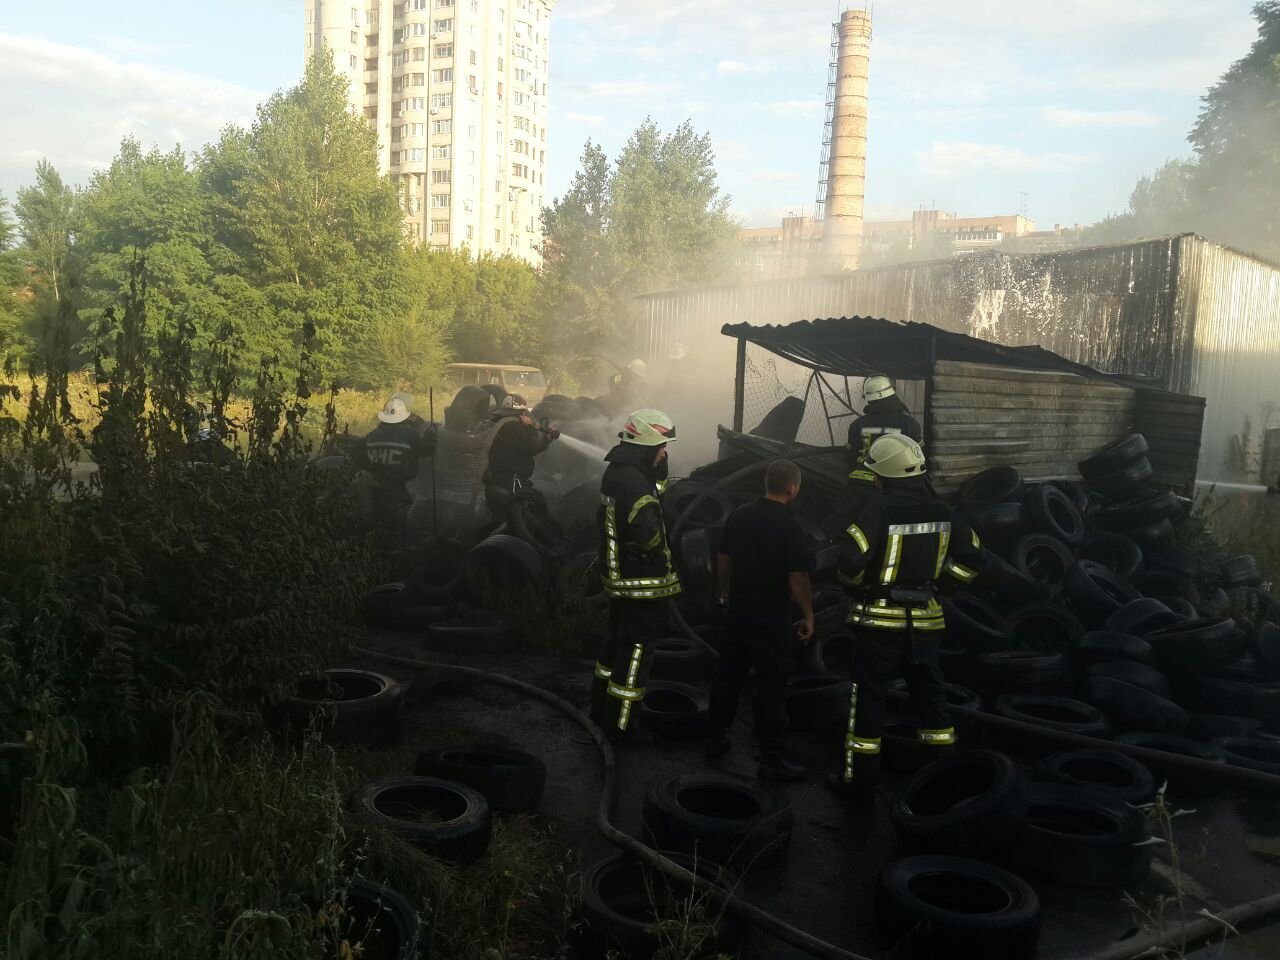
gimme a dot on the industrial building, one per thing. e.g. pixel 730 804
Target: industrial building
pixel 457 93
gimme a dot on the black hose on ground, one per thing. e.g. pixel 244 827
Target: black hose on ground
pixel 1178 939
pixel 748 913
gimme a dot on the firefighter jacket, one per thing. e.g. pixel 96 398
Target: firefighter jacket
pixel 882 417
pixel 392 450
pixel 511 453
pixel 635 558
pixel 894 553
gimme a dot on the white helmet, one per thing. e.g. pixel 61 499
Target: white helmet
pixel 638 367
pixel 895 456
pixel 877 388
pixel 396 411
pixel 648 428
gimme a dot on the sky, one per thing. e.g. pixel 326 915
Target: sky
pixel 978 107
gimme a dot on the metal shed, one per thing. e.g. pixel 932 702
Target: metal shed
pixel 1180 313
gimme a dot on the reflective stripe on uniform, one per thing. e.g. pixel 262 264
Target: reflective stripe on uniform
pixel 603 672
pixel 639 588
pixel 869 745
pixel 640 504
pixel 866 476
pixel 937 738
pixel 632 692
pixel 977 543
pixel 860 538
pixel 944 541
pixel 889 572
pixel 959 571
pixel 912 529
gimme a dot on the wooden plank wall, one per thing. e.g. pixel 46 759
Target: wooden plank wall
pixel 1172 424
pixel 1041 422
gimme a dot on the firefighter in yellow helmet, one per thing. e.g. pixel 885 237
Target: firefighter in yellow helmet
pixel 635 563
pixel 892 556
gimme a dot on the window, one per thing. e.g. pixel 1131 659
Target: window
pixel 416 30
pixel 441 152
pixel 396 85
pixel 497 236
pixel 471 232
pixel 440 200
pixel 395 156
pixel 441 176
pixel 442 76
pixel 520 170
pixel 471 132
pixel 419 53
pixel 473 58
pixel 355 38
pixel 471 85
pixel 444 3
pixel 441 101
pixel 443 26
pixel 520 123
pixel 519 146
pixel 419 80
pixel 500 62
pixel 415 103
pixel 442 126
pixel 444 50
pixel 417 4
pixel 354 62
pixel 395 134
pixel 371 88
pixel 411 130
pixel 371 63
pixel 439 226
pixel 355 16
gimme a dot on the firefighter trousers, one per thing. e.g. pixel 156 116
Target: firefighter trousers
pixel 622 666
pixel 879 658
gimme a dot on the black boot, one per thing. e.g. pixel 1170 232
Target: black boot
pixel 779 770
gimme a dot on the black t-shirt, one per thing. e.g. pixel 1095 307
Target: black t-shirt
pixel 766 546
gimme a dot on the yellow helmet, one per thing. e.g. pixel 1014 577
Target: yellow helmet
pixel 877 388
pixel 895 456
pixel 648 428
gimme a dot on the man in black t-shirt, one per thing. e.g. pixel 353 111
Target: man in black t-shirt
pixel 763 565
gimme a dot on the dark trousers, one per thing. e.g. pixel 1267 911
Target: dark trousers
pixel 622 666
pixel 879 658
pixel 760 641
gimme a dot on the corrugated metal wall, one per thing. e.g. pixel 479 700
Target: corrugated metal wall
pixel 983 416
pixel 1172 424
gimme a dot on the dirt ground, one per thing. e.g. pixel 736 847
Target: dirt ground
pixel 826 882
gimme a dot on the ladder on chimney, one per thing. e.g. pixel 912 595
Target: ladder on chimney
pixel 825 156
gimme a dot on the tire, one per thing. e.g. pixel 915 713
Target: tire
pixel 697 563
pixel 1241 571
pixel 1139 617
pixel 392 606
pixel 1081 837
pixel 1181 606
pixel 782 422
pixel 350 707
pixel 1131 707
pixel 1197 646
pixel 1266 707
pixel 579 580
pixel 1115 455
pixel 469 406
pixel 710 514
pixel 1114 551
pixel 1140 511
pixel 969 805
pixel 902 750
pixel 620 896
pixel 1232 698
pixel 996 485
pixel 381 920
pixel 1045 627
pixel 1042 558
pixel 1016 671
pixel 1124 480
pixel 503 563
pixel 1095 592
pixel 1207 727
pixel 1266 645
pixel 673 711
pixel 1102 645
pixel 1001 580
pixel 1251 753
pixel 997 523
pixel 1051 511
pixel 726 821
pixel 398 804
pixel 473 632
pixel 1162 583
pixel 1138 674
pixel 831 618
pixel 529 522
pixel 928 907
pixel 957 696
pixel 1181 782
pixel 825 561
pixel 510 781
pixel 1152 534
pixel 679 658
pixel 438 577
pixel 1174 558
pixel 1105 770
pixel 976 623
pixel 1056 713
pixel 817 702
pixel 832 653
pixel 1076 493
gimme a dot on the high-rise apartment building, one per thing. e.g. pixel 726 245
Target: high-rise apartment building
pixel 457 92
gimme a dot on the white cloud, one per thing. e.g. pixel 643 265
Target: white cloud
pixel 628 89
pixel 586 119
pixel 727 67
pixel 945 161
pixel 791 108
pixel 1067 117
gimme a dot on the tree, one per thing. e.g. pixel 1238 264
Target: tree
pixel 8 228
pixel 46 215
pixel 1161 204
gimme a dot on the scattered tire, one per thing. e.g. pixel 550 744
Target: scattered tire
pixel 1197 646
pixel 673 711
pixel 381 920
pixel 1250 752
pixel 1045 627
pixel 1164 583
pixel 1042 558
pixel 1115 455
pixel 931 906
pixel 999 579
pixel 1102 645
pixel 710 513
pixel 1207 727
pixel 726 821
pixel 1124 479
pixel 503 563
pixel 1175 558
pixel 1051 511
pixel 1181 606
pixel 679 658
pixel 469 406
pixel 350 706
pixel 1152 534
pixel 1139 511
pixel 622 900
pixel 817 702
pixel 473 631
pixel 511 781
pixel 393 606
pixel 1218 695
pixel 1141 616
pixel 832 653
pixel 1014 671
pixel 1181 782
pixel 970 804
pixel 1106 770
pixel 957 696
pixel 438 574
pixel 1095 592
pixel 830 612
pixel 1057 713
pixel 997 523
pixel 1114 551
pixel 980 625
pixel 1081 837
pixel 442 818
pixel 782 422
pixel 1138 674
pixel 1131 707
pixel 996 485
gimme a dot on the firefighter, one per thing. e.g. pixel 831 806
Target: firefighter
pixel 635 563
pixel 516 442
pixel 390 454
pixel 891 558
pixel 883 414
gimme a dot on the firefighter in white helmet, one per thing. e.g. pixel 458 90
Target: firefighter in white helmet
pixel 883 414
pixel 892 556
pixel 635 564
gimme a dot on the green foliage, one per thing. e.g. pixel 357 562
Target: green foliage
pixel 8 227
pixel 46 218
pixel 1160 204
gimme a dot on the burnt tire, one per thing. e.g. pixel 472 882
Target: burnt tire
pixel 996 485
pixel 930 906
pixel 1197 646
pixel 621 901
pixel 504 563
pixel 1114 551
pixel 1017 671
pixel 709 513
pixel 1163 583
pixel 1042 558
pixel 968 805
pixel 350 707
pixel 1131 707
pixel 957 695
pixel 673 711
pixel 1045 627
pixel 445 819
pixel 831 653
pixel 381 920
pixel 1181 782
pixel 1115 455
pixel 393 606
pixel 1138 617
pixel 1056 713
pixel 726 821
pixel 1138 674
pixel 1107 770
pixel 999 524
pixel 1099 646
pixel 817 702
pixel 1124 479
pixel 1095 592
pixel 511 781
pixel 1138 511
pixel 1080 837
pixel 1002 581
pixel 1151 534
pixel 976 623
pixel 1051 511
pixel 472 632
pixel 679 658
